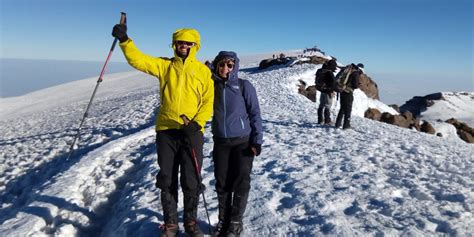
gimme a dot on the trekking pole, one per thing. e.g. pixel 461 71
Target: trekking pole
pixel 198 173
pixel 123 20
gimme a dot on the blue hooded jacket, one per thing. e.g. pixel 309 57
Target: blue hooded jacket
pixel 236 112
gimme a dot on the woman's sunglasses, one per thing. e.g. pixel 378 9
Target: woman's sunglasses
pixel 229 65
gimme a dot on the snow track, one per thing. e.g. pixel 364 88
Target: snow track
pixel 83 197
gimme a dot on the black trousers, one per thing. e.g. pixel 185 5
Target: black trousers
pixel 232 165
pixel 346 100
pixel 174 155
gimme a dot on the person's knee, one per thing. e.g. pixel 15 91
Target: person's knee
pixel 164 182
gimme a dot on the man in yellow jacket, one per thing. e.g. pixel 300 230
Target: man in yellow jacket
pixel 186 88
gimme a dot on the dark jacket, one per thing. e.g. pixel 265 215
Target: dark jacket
pixel 236 112
pixel 325 80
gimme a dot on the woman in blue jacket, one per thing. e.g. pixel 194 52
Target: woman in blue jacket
pixel 237 134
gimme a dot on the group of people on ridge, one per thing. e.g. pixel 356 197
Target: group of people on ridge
pixel 190 93
pixel 344 83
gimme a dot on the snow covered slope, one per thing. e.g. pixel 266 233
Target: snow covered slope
pixel 438 107
pixel 310 180
pixel 458 105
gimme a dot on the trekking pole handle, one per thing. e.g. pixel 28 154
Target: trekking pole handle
pixel 185 119
pixel 123 18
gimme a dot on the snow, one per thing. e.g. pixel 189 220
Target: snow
pixel 310 180
pixel 458 105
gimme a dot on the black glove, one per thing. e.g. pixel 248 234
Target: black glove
pixel 257 147
pixel 120 32
pixel 191 129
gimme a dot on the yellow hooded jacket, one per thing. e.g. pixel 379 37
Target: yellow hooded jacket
pixel 185 88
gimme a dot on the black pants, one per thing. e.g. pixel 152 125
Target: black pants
pixel 346 100
pixel 232 164
pixel 174 154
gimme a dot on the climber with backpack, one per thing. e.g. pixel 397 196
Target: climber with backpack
pixel 347 80
pixel 324 82
pixel 237 133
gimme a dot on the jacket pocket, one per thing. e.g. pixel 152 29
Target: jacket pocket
pixel 242 123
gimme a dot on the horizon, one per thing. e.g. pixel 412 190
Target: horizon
pixel 389 38
pixel 393 88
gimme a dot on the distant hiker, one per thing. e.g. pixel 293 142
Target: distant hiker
pixel 237 133
pixel 208 64
pixel 325 83
pixel 186 88
pixel 348 79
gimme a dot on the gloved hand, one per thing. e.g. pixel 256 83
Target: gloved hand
pixel 120 32
pixel 191 129
pixel 256 149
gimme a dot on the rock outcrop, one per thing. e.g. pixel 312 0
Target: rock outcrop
pixel 465 132
pixel 369 87
pixel 404 120
pixel 419 104
pixel 309 92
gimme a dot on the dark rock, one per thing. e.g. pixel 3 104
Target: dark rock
pixel 427 128
pixel 369 87
pixel 416 124
pixel 317 60
pixel 309 92
pixel 386 117
pixel 408 115
pixel 373 114
pixel 466 136
pixel 465 132
pixel 272 62
pixel 418 104
pixel 397 120
pixel 395 107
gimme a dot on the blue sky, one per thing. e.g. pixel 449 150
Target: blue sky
pixel 420 38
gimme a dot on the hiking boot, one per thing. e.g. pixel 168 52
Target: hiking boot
pixel 235 228
pixel 192 229
pixel 169 230
pixel 225 206
pixel 346 125
pixel 220 229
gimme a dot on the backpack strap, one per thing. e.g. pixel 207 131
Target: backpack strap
pixel 242 88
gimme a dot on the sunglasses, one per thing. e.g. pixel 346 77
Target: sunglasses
pixel 229 65
pixel 179 43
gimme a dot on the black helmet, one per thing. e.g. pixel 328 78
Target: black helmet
pixel 360 65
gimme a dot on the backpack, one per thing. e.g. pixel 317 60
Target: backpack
pixel 342 78
pixel 319 80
